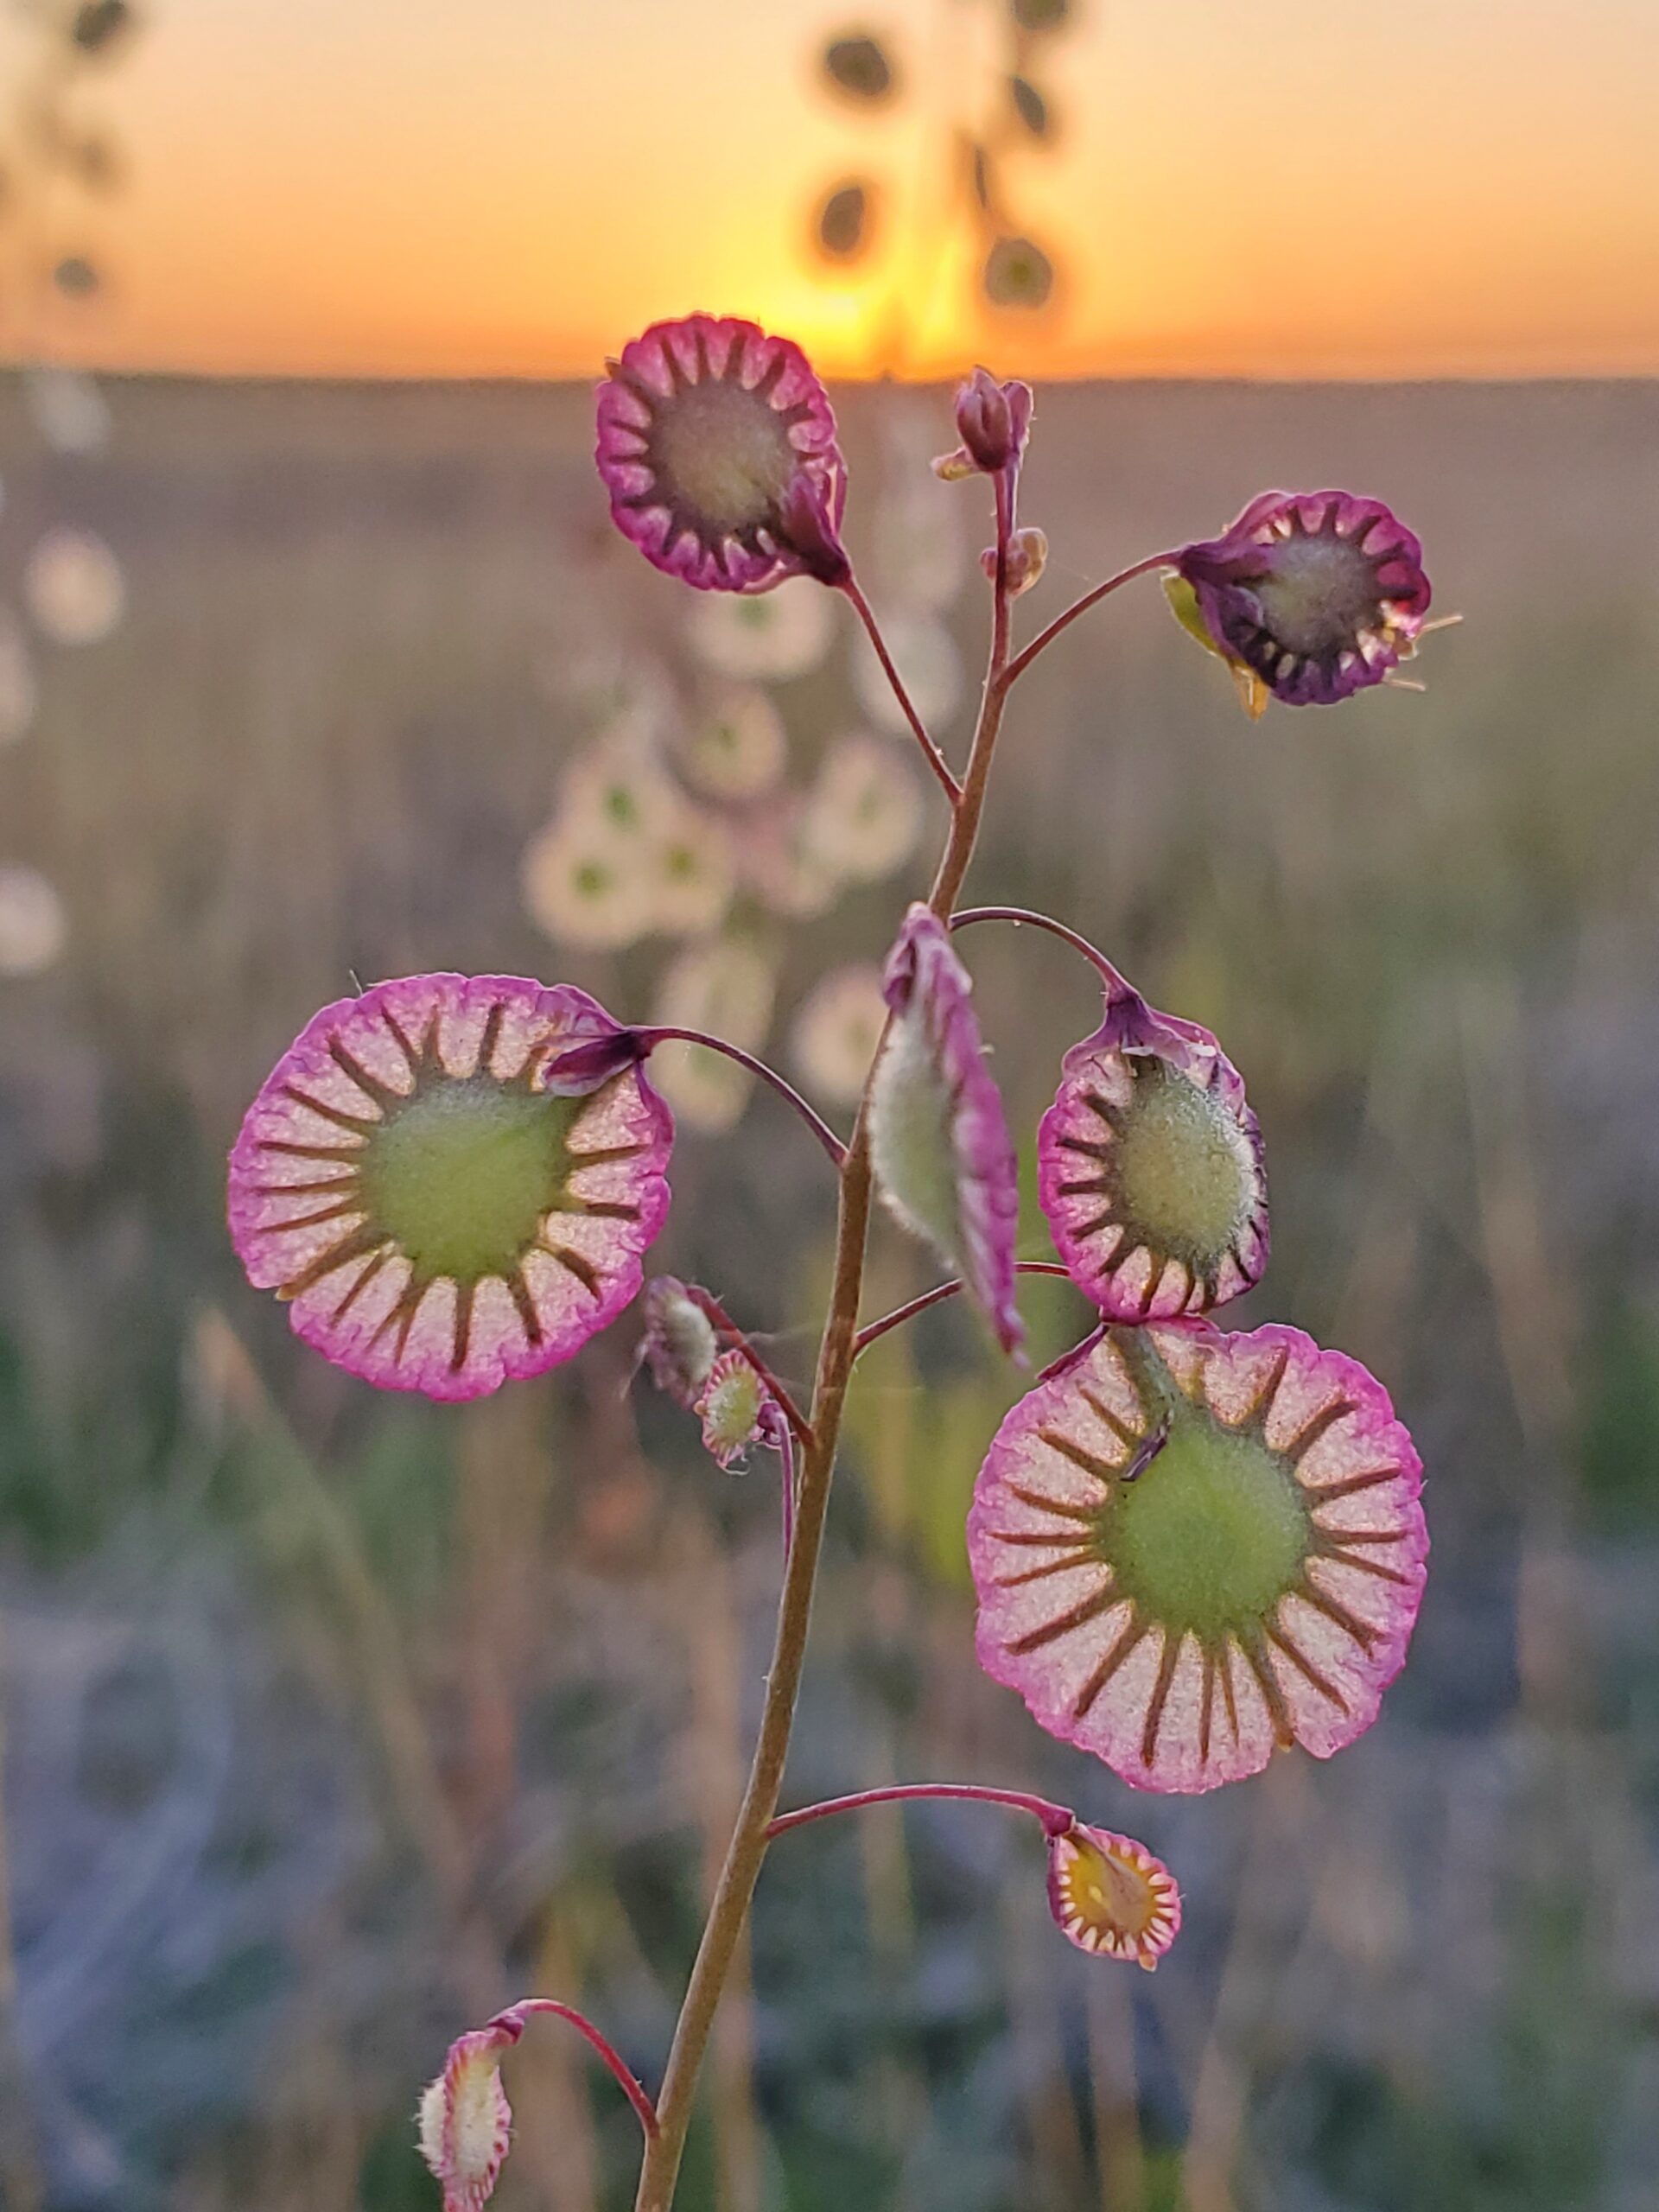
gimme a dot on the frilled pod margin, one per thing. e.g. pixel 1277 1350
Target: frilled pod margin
pixel 1150 1169
pixel 717 446
pixel 1316 595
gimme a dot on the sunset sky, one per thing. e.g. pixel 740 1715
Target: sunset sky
pixel 478 187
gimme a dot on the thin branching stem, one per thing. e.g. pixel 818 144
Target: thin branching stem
pixel 1023 659
pixel 936 760
pixel 1056 1819
pixel 660 1033
pixel 723 1928
pixel 1027 917
pixel 873 1329
pixel 784 1438
pixel 626 2080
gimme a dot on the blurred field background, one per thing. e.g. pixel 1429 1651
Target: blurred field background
pixel 333 1720
pixel 330 1721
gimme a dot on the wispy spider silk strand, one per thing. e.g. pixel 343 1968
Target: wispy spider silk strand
pixel 837 1351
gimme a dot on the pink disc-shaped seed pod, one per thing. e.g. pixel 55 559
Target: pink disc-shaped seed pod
pixel 1110 1896
pixel 717 446
pixel 1191 1548
pixel 1149 1167
pixel 943 1158
pixel 730 1407
pixel 1317 595
pixel 435 1219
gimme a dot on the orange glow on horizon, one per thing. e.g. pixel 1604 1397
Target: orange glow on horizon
pixel 515 189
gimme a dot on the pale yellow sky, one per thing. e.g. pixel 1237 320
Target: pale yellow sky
pixel 515 186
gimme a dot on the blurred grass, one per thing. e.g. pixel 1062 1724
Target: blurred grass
pixel 431 1704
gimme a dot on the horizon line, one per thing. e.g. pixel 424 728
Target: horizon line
pixel 15 364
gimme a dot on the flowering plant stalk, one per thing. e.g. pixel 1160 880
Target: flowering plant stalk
pixel 1191 1548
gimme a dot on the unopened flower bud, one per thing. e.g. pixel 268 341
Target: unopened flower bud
pixel 992 419
pixel 1028 557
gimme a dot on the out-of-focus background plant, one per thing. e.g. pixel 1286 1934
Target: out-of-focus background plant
pixel 991 99
pixel 62 586
pixel 333 1719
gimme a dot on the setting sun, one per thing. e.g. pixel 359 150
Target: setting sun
pixel 514 187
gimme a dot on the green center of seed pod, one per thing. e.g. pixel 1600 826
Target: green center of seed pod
pixel 461 1175
pixel 1212 1533
pixel 724 455
pixel 1183 1165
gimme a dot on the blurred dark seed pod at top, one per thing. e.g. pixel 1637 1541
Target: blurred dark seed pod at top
pixel 1018 274
pixel 1041 15
pixel 1030 107
pixel 97 162
pixel 858 66
pixel 842 229
pixel 75 277
pixel 97 25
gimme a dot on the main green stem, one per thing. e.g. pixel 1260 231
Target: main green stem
pixel 747 1849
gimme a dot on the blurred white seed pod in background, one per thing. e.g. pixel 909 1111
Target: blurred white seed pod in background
pixel 926 656
pixel 726 989
pixel 760 636
pixel 834 1037
pixel 73 587
pixel 33 925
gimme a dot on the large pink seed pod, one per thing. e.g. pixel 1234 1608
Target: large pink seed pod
pixel 435 1218
pixel 717 445
pixel 1190 1548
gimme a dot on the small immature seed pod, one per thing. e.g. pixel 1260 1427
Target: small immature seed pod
pixel 680 1346
pixel 465 2121
pixel 1149 1167
pixel 733 1400
pixel 1110 1896
pixel 1028 557
pixel 939 1143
